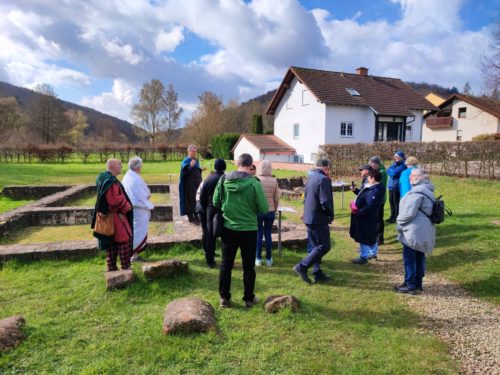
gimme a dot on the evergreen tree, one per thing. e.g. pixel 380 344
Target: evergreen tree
pixel 257 124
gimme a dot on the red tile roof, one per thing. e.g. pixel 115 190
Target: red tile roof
pixel 484 103
pixel 266 143
pixel 385 96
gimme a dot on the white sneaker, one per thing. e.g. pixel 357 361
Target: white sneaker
pixel 269 262
pixel 258 262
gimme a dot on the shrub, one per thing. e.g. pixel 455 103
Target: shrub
pixel 487 137
pixel 223 144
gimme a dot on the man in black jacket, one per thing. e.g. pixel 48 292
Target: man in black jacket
pixel 208 210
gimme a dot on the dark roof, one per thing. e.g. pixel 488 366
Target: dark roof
pixel 266 143
pixel 386 96
pixel 490 105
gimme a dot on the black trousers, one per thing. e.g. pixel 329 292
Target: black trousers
pixel 380 224
pixel 207 238
pixel 394 197
pixel 232 240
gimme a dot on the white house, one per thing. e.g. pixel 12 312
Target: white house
pixel 263 147
pixel 316 107
pixel 462 117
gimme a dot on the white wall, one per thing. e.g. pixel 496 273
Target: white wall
pixel 476 122
pixel 362 118
pixel 245 147
pixel 310 115
pixel 416 126
pixel 282 158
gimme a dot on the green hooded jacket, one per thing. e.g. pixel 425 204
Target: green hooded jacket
pixel 383 181
pixel 243 198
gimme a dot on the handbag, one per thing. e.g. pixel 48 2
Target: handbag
pixel 104 224
pixel 218 220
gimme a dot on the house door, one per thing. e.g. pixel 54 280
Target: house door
pixel 389 131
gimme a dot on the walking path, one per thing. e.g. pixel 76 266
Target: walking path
pixel 469 326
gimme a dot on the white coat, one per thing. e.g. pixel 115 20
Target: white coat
pixel 138 192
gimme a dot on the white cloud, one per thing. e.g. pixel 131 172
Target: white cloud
pixel 167 42
pixel 117 103
pixel 124 52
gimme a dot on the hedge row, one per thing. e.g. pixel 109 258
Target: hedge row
pixel 62 152
pixel 467 159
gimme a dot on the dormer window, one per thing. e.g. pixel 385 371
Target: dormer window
pixel 353 92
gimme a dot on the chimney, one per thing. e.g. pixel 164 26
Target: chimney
pixel 362 71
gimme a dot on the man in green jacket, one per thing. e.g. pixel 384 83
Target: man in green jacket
pixel 240 197
pixel 376 163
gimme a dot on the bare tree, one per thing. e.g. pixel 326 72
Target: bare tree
pixel 172 113
pixel 47 118
pixel 11 117
pixel 467 89
pixel 490 63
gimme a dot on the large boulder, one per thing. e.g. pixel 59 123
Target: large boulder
pixel 11 334
pixel 188 315
pixel 118 279
pixel 164 268
pixel 276 303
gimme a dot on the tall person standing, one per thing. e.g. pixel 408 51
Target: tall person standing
pixel 189 180
pixel 394 173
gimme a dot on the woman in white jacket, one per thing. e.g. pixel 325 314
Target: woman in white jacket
pixel 265 220
pixel 416 232
pixel 139 195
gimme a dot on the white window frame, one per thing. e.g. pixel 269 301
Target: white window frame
pixel 353 92
pixel 409 132
pixel 296 126
pixel 459 135
pixel 346 135
pixel 304 97
pixel 298 159
pixel 463 114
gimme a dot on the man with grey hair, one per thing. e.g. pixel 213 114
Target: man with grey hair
pixel 241 197
pixel 416 232
pixel 139 194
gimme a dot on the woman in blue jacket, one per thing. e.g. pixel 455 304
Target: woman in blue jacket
pixel 394 172
pixel 404 180
pixel 364 217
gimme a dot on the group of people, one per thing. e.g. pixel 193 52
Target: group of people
pixel 411 197
pixel 248 200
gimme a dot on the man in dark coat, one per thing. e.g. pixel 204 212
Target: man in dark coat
pixel 318 214
pixel 364 215
pixel 208 210
pixel 189 180
pixel 112 199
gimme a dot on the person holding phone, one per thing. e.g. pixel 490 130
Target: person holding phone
pixel 364 169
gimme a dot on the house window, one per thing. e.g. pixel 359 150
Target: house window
pixel 409 132
pixel 353 92
pixel 296 131
pixel 305 97
pixel 346 129
pixel 462 112
pixel 459 135
pixel 298 158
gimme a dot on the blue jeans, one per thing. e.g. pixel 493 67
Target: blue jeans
pixel 366 250
pixel 414 262
pixel 264 228
pixel 319 239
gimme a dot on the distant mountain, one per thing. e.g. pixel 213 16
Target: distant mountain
pixel 26 97
pixel 425 88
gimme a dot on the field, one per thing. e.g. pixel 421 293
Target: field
pixel 354 324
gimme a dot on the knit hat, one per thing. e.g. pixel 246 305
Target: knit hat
pixel 220 165
pixel 322 163
pixel 375 159
pixel 400 153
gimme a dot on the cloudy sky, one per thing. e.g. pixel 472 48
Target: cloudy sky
pixel 98 53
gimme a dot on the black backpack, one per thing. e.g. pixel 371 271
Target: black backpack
pixel 438 210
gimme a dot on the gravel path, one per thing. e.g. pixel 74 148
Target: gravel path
pixel 469 326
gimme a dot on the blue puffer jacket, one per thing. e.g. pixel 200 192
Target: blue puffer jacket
pixel 394 172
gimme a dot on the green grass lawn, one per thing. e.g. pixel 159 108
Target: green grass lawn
pixel 89 201
pixel 353 325
pixel 7 204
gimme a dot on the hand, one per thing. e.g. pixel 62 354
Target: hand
pixel 352 187
pixel 192 163
pixel 354 208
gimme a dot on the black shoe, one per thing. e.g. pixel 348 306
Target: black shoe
pixel 211 265
pixel 406 290
pixel 225 303
pixel 252 303
pixel 370 257
pixel 321 277
pixel 391 221
pixel 420 289
pixel 302 274
pixel 360 260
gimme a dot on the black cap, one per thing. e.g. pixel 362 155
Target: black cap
pixel 368 167
pixel 322 163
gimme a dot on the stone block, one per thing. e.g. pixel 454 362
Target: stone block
pixel 118 279
pixel 188 315
pixel 279 302
pixel 164 268
pixel 11 334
